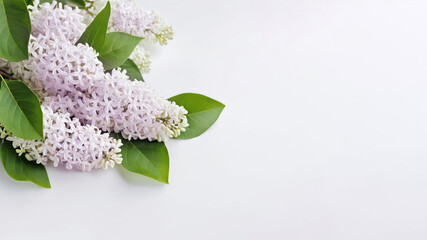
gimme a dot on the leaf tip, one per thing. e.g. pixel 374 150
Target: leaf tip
pixel 47 186
pixel 164 180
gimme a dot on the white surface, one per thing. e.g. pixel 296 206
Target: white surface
pixel 324 135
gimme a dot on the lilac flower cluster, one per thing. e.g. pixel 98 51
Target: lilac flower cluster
pixel 141 58
pixel 74 79
pixel 61 67
pixel 127 16
pixel 50 23
pixel 80 100
pixel 56 19
pixel 131 107
pixel 69 143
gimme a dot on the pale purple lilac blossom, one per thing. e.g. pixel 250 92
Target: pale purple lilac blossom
pixel 71 78
pixel 131 107
pixel 51 22
pixel 61 67
pixel 127 16
pixel 62 21
pixel 68 143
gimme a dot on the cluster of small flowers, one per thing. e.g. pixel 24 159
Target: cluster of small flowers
pixel 127 16
pixel 131 107
pixel 51 61
pixel 61 21
pixel 74 79
pixel 69 79
pixel 69 143
pixel 50 22
pixel 60 67
pixel 141 58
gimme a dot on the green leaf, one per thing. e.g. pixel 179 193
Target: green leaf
pixel 95 33
pixel 15 29
pixel 202 113
pixel 29 2
pixel 118 47
pixel 150 159
pixel 20 169
pixel 132 70
pixel 20 111
pixel 78 3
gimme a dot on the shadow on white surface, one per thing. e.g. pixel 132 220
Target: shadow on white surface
pixel 136 179
pixel 7 182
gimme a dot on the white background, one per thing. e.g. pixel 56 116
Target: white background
pixel 324 135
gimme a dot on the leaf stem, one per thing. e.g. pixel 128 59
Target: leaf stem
pixel 6 75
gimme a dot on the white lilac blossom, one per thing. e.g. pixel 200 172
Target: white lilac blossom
pixel 131 107
pixel 141 58
pixel 55 19
pixel 68 143
pixel 127 16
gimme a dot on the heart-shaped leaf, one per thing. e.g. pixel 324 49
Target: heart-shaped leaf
pixel 20 111
pixel 20 169
pixel 132 70
pixel 150 159
pixel 15 29
pixel 95 33
pixel 117 49
pixel 202 113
